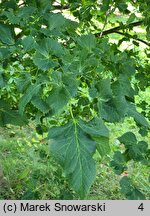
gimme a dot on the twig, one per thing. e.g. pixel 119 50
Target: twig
pixel 105 22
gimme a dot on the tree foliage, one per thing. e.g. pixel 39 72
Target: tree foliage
pixel 57 61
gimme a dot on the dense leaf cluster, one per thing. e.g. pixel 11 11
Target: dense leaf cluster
pixel 57 62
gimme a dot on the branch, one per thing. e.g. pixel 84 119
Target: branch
pixel 113 30
pixel 132 37
pixel 21 4
pixel 105 22
pixel 60 7
pixel 116 30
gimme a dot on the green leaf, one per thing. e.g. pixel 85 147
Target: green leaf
pixel 55 21
pixel 134 150
pixel 104 89
pixel 4 53
pixel 58 98
pixel 138 152
pixel 128 139
pixel 40 104
pixel 12 16
pixel 23 82
pixel 71 84
pixel 46 51
pixel 137 116
pixel 126 187
pixel 143 146
pixel 73 149
pixel 118 163
pixel 26 98
pixel 44 5
pixel 28 43
pixel 56 77
pixel 6 34
pixel 95 127
pixel 132 17
pixel 143 132
pixel 114 109
pixel 125 86
pixel 122 6
pixel 9 116
pixel 107 111
pixel 136 195
pixel 13 117
pixel 87 42
pixel 102 145
pixel 130 191
pixel 26 12
pixel 44 62
pixel 2 80
pixel 23 14
pixel 49 46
